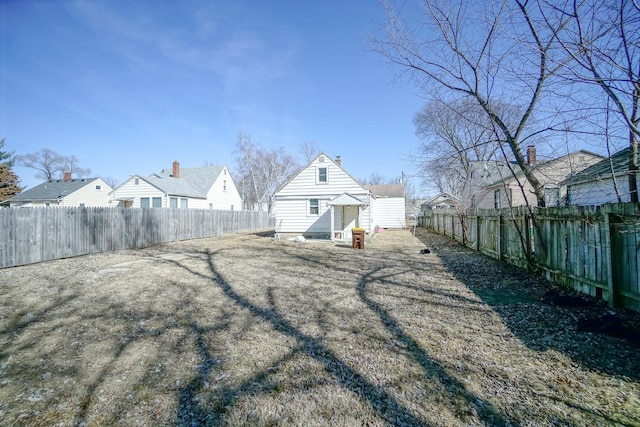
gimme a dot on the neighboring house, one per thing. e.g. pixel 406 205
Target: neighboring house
pixel 207 187
pixel 440 201
pixel 597 185
pixel 389 205
pixel 84 192
pixel 322 200
pixel 496 185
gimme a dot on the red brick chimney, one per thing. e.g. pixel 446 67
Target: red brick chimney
pixel 531 155
pixel 67 176
pixel 338 161
pixel 176 169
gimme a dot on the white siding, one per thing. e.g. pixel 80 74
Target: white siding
pixel 221 198
pixel 389 212
pixel 598 192
pixel 89 195
pixel 293 216
pixel 338 181
pixel 130 190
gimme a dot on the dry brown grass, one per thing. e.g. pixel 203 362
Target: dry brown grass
pixel 242 330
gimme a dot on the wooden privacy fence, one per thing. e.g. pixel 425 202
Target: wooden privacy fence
pixel 594 250
pixel 32 235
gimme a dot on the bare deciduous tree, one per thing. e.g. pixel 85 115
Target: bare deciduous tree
pixel 376 178
pixel 261 172
pixel 309 151
pixel 494 53
pixel 453 135
pixel 604 39
pixel 110 181
pixel 51 165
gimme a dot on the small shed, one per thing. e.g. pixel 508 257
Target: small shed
pixel 389 207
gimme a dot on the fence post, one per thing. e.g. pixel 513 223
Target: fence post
pixel 526 229
pixel 477 230
pixel 608 259
pixel 500 235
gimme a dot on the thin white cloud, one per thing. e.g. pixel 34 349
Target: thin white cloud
pixel 200 39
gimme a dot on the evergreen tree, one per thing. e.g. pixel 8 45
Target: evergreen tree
pixel 9 181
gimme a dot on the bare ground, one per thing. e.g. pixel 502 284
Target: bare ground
pixel 242 330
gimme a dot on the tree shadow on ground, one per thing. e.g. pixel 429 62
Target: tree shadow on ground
pixel 193 413
pixel 516 295
pixel 460 395
pixel 389 409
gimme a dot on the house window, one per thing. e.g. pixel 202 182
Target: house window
pixel 82 205
pixel 210 205
pixel 496 199
pixel 98 187
pixel 231 207
pixel 173 202
pixel 314 207
pixel 224 185
pixel 322 174
pixel 136 181
pixel 184 203
pixel 144 202
pixel 156 202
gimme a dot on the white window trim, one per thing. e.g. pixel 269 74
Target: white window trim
pixel 309 214
pixel 318 175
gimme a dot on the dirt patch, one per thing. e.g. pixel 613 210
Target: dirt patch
pixel 242 330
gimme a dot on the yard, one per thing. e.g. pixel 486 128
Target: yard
pixel 242 330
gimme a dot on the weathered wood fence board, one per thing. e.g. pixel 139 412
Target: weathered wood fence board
pixel 595 250
pixel 40 234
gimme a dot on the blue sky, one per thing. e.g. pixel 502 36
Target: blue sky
pixel 129 86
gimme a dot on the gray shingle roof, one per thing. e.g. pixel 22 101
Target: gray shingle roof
pixel 201 178
pixel 174 186
pixel 388 190
pixel 55 189
pixel 193 182
pixel 602 169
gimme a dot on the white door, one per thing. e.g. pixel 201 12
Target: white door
pixel 349 219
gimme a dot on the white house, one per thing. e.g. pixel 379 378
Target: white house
pixel 323 201
pixel 207 187
pixel 604 182
pixel 67 192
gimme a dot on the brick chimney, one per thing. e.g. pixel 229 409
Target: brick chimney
pixel 338 161
pixel 67 176
pixel 531 155
pixel 176 169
